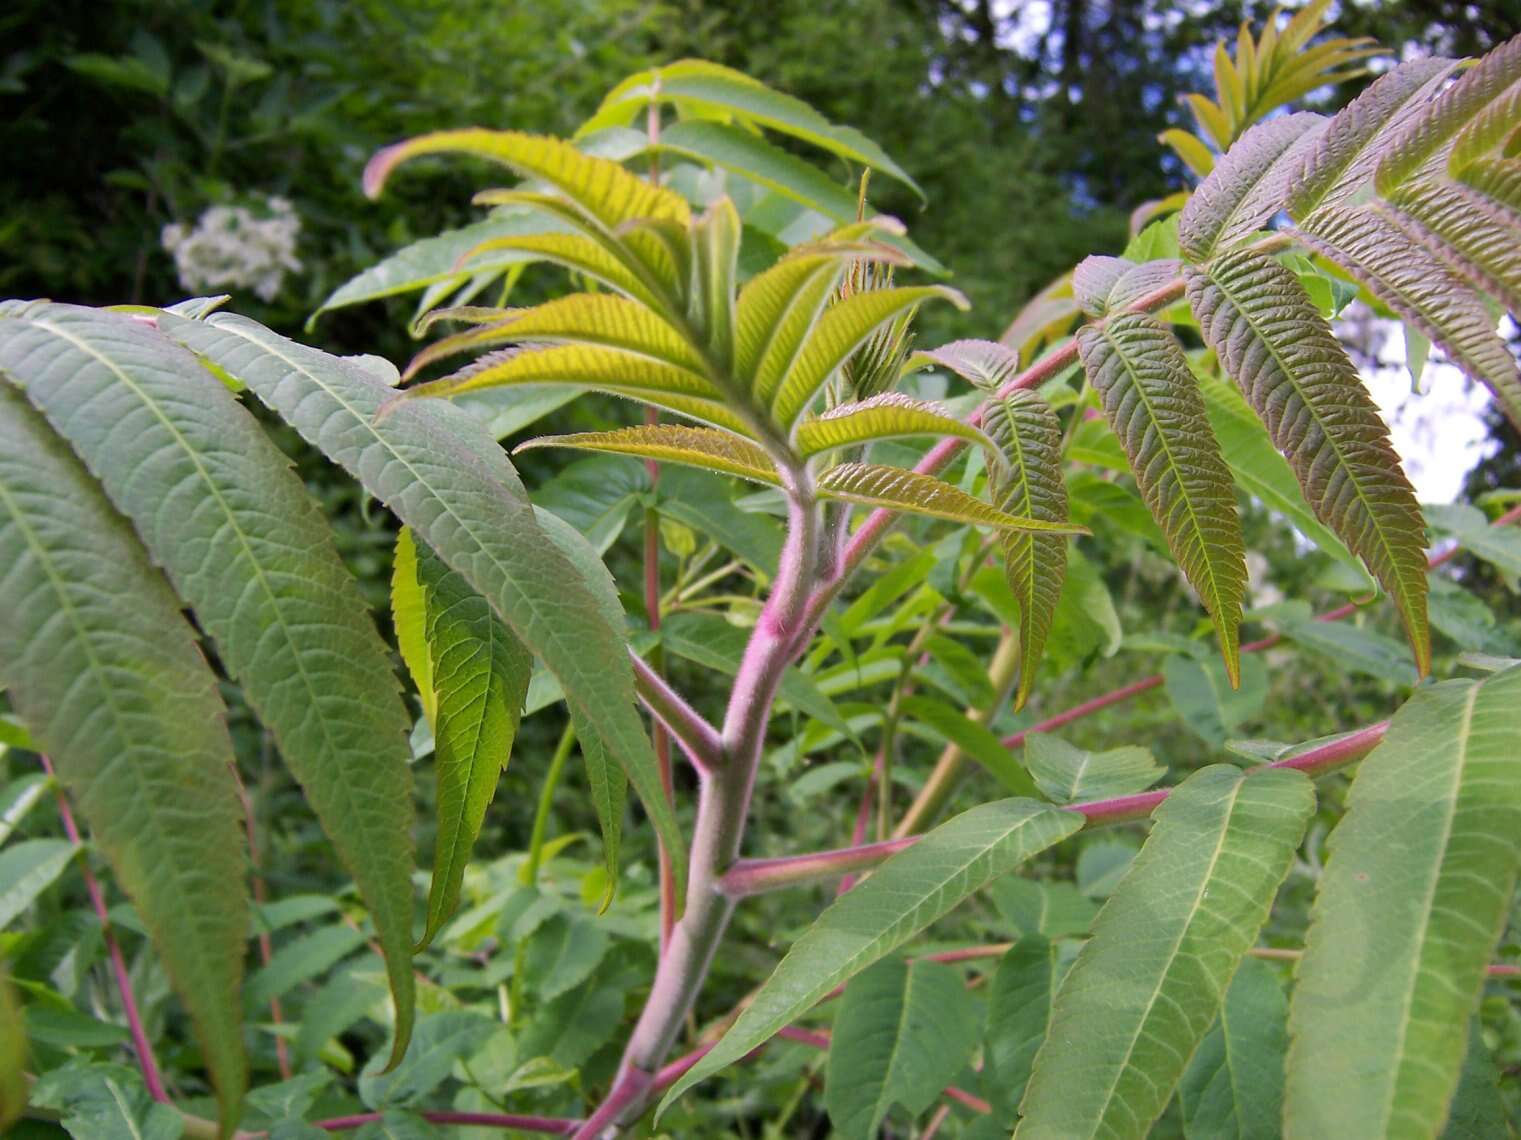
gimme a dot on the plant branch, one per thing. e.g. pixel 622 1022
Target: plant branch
pixel 756 876
pixel 153 1078
pixel 698 739
pixel 718 831
pixel 545 1125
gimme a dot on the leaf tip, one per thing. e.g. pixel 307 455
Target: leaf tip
pixel 379 168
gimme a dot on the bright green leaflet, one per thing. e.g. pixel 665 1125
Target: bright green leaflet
pixel 120 697
pixel 27 869
pixel 1233 1088
pixel 480 678
pixel 218 506
pixel 451 483
pixel 1410 906
pixel 1146 987
pixel 1067 774
pixel 903 1032
pixel 902 897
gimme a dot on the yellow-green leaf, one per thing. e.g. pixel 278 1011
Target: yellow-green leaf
pixel 671 443
pixel 897 489
pixel 891 415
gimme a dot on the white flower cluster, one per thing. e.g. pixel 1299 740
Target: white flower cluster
pixel 234 247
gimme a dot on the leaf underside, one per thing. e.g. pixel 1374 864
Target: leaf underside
pixel 1153 404
pixel 1283 356
pixel 120 697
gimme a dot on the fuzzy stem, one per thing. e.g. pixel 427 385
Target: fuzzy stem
pixel 722 806
pixel 152 1077
pixel 698 739
pixel 545 1125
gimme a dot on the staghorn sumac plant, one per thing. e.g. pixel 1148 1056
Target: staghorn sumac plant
pixel 134 482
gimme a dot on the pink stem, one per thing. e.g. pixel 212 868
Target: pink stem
pixel 698 739
pixel 755 876
pixel 547 1125
pixel 152 1077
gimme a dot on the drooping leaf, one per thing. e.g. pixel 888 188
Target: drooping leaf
pixel 970 734
pixel 578 253
pixel 1464 230
pixel 1146 987
pixel 1411 903
pixel 1152 402
pixel 890 415
pixel 1345 155
pixel 480 676
pixel 901 897
pixel 1247 187
pixel 1067 774
pixel 104 670
pixel 898 489
pixel 1029 484
pixel 1233 1087
pixel 1433 131
pixel 1496 545
pixel 1281 353
pixel 903 1032
pixel 706 448
pixel 1262 471
pixel 448 480
pixel 838 333
pixel 301 960
pixel 599 187
pixel 1421 289
pixel 217 506
pixel 443 1039
pixel 1202 696
pixel 713 90
pixel 751 156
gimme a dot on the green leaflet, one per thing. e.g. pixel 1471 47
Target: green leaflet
pixel 1498 179
pixel 1397 268
pixel 1029 484
pixel 1410 906
pixel 410 617
pixel 444 258
pixel 705 448
pixel 844 326
pixel 1233 1088
pixel 105 1102
pixel 898 489
pixel 27 869
pixel 1283 356
pixel 903 1032
pixel 889 415
pixel 602 190
pixel 120 697
pixel 715 265
pixel 1019 1012
pixel 447 479
pixel 1067 774
pixel 218 506
pixel 901 897
pixel 1146 987
pixel 480 677
pixel 1247 186
pixel 711 91
pixel 1153 404
pixel 751 156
